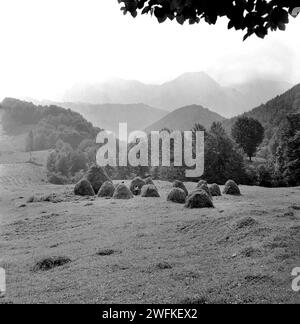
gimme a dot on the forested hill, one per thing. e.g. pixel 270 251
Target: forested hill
pixel 273 114
pixel 49 124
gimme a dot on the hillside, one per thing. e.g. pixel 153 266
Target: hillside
pixel 47 125
pixel 273 113
pixel 108 116
pixel 185 118
pixel 258 91
pixel 188 89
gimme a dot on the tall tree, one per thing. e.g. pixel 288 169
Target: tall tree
pixel 198 128
pixel 249 134
pixel 255 16
pixel 290 147
pixel 223 160
pixel 30 144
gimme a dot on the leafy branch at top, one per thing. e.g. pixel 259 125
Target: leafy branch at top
pixel 253 16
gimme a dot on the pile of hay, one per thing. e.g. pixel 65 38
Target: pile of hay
pixel 122 192
pixel 231 188
pixel 205 188
pixel 177 195
pixel 246 222
pixel 136 185
pixel 50 263
pixel 150 191
pixel 149 181
pixel 215 190
pixel 180 185
pixel 199 199
pixel 53 197
pixel 106 190
pixel 97 176
pixel 201 182
pixel 84 188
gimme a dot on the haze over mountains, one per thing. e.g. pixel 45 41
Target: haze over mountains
pixel 191 98
pixel 195 88
pixel 185 118
pixel 272 114
pixel 108 116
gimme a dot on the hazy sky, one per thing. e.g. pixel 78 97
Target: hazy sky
pixel 48 45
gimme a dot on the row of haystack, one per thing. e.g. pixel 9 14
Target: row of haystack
pixel 202 195
pixel 98 182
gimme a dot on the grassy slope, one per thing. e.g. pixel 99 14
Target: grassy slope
pixel 210 257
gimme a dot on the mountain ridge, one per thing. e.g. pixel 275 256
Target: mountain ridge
pixel 272 114
pixel 177 120
pixel 190 88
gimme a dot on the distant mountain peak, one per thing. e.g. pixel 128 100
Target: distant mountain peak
pixel 185 118
pixel 187 89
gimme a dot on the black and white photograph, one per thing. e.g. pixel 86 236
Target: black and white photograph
pixel 149 154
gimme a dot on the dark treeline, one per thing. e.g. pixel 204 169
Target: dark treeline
pixel 50 124
pixel 272 116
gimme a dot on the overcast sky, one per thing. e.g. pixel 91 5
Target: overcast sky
pixel 49 45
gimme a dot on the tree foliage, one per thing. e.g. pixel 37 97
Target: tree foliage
pixel 253 16
pixel 249 134
pixel 223 160
pixel 288 152
pixel 49 124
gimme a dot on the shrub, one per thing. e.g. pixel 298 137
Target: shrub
pixel 57 178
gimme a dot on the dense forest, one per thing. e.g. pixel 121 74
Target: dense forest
pixel 49 124
pixel 272 116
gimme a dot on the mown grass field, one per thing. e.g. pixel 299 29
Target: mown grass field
pixel 148 250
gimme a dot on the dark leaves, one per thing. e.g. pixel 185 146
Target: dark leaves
pixel 254 16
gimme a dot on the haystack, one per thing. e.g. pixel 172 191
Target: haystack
pixel 215 190
pixel 149 191
pixel 231 188
pixel 180 185
pixel 122 192
pixel 97 176
pixel 177 195
pixel 136 185
pixel 84 188
pixel 106 190
pixel 201 182
pixel 149 181
pixel 199 199
pixel 205 188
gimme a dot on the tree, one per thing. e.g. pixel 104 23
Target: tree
pixel 30 144
pixel 198 128
pixel 255 16
pixel 249 134
pixel 222 159
pixel 290 146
